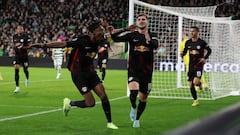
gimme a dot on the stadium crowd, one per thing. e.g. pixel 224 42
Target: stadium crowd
pixel 45 20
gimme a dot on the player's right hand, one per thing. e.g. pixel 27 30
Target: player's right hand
pixel 132 27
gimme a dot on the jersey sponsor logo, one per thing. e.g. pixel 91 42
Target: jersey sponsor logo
pixel 141 48
pixel 135 40
pixel 87 47
pixel 91 54
pixel 194 52
pixel 198 46
pixel 155 38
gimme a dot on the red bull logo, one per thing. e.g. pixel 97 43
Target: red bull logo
pixel 141 48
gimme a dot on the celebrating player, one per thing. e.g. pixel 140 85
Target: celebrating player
pixel 142 43
pixel 21 42
pixel 82 70
pixel 186 59
pixel 197 57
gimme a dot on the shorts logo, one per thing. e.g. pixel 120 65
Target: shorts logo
pixel 149 86
pixel 130 79
pixel 84 89
pixel 199 73
pixel 25 64
pixel 104 61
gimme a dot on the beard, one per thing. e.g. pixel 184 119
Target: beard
pixel 142 27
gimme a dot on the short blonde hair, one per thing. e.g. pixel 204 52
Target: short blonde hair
pixel 142 14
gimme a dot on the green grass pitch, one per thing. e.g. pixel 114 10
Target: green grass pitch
pixel 36 110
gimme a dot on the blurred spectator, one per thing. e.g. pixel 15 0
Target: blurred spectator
pixel 42 19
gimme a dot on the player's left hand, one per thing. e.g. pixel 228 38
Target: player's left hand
pixel 36 45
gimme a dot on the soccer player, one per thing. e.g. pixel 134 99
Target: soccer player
pixel 197 57
pixel 186 59
pixel 82 70
pixel 142 42
pixel 58 55
pixel 21 41
pixel 103 50
pixel 103 57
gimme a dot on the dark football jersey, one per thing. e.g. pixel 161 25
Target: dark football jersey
pixel 19 43
pixel 141 56
pixel 82 54
pixel 196 51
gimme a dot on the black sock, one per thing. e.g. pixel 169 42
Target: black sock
pixel 194 93
pixel 107 109
pixel 141 108
pixel 26 73
pixel 103 73
pixel 81 104
pixel 133 97
pixel 17 77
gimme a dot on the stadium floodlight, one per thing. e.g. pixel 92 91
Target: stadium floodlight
pixel 222 34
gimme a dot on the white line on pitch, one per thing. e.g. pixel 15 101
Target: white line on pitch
pixel 45 112
pixel 28 106
pixel 6 83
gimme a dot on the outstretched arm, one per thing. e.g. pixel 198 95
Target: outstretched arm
pixel 116 32
pixel 51 44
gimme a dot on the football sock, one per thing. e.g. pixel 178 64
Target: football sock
pixel 133 97
pixel 194 93
pixel 81 104
pixel 17 77
pixel 107 109
pixel 103 73
pixel 26 73
pixel 141 108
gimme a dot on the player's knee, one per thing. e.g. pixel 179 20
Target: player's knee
pixel 133 94
pixel 104 98
pixel 90 104
pixel 16 71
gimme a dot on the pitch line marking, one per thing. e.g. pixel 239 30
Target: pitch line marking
pixel 6 83
pixel 49 111
pixel 29 106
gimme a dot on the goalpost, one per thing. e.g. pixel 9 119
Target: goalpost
pixel 222 34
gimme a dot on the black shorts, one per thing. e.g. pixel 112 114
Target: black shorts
pixel 21 61
pixel 144 81
pixel 195 72
pixel 85 81
pixel 102 61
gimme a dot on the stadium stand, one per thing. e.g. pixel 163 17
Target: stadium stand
pixel 45 19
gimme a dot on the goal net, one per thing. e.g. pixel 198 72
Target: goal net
pixel 222 68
